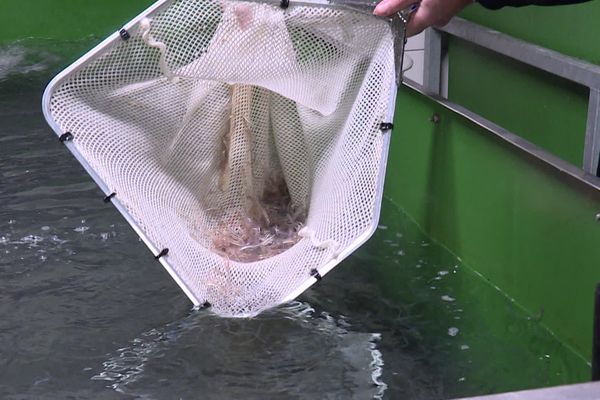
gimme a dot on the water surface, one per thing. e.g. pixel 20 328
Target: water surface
pixel 86 312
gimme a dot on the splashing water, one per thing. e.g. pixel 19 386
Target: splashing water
pixel 233 348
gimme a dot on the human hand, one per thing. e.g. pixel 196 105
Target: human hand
pixel 429 13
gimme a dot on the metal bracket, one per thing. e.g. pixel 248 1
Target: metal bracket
pixel 66 137
pixel 205 305
pixel 315 274
pixel 398 23
pixel 108 198
pixel 124 34
pixel 386 126
pixel 398 29
pixel 160 255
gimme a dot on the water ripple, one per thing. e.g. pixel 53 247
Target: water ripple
pixel 321 353
pixel 18 60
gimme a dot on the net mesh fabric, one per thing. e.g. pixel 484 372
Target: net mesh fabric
pixel 243 137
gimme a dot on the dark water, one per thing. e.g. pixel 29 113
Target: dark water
pixel 86 313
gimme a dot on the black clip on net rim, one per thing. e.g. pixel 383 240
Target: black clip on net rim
pixel 108 198
pixel 315 274
pixel 386 126
pixel 284 4
pixel 66 137
pixel 124 34
pixel 160 255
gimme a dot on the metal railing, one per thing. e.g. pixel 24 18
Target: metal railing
pixel 572 69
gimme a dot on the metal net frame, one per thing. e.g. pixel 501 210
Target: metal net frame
pixel 244 142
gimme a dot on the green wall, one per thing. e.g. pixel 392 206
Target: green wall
pixel 548 111
pixel 65 19
pixel 525 227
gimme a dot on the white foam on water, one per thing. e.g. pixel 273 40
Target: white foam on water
pixel 18 60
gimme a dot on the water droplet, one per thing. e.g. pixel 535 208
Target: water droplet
pixel 45 228
pixel 448 298
pixel 56 239
pixel 453 331
pixel 464 347
pixel 443 273
pixel 462 379
pixel 382 227
pixel 32 240
pixel 400 253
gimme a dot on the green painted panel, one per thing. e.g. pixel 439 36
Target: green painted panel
pixel 65 19
pixel 548 111
pixel 495 346
pixel 527 229
pixel 572 30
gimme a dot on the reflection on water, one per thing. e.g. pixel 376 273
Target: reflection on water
pixel 86 313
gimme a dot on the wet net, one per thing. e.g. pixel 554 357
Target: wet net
pixel 244 138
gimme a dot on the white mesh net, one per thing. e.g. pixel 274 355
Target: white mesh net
pixel 243 137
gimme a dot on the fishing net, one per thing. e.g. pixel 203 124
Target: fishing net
pixel 243 137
